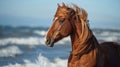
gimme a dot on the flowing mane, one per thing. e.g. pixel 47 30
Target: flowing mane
pixel 81 17
pixel 86 34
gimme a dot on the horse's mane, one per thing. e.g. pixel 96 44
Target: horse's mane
pixel 82 17
pixel 86 34
pixel 80 12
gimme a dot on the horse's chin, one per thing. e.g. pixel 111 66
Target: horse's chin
pixel 50 45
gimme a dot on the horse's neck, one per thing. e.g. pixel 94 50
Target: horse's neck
pixel 79 46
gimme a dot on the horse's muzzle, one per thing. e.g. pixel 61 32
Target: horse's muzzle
pixel 49 42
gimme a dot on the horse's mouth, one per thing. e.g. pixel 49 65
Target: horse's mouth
pixel 49 42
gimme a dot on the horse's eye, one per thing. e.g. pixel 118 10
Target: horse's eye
pixel 62 20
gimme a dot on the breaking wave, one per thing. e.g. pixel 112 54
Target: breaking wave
pixel 23 41
pixel 10 51
pixel 41 62
pixel 42 33
pixel 28 41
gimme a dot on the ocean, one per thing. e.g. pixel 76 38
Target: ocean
pixel 25 46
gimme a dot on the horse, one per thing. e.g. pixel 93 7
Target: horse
pixel 86 50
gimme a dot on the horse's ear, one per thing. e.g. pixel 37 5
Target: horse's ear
pixel 63 5
pixel 58 5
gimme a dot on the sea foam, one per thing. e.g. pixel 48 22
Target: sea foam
pixel 28 41
pixel 22 41
pixel 10 51
pixel 42 32
pixel 41 62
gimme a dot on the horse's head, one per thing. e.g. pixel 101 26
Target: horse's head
pixel 61 26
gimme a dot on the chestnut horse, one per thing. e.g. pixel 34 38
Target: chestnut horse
pixel 86 51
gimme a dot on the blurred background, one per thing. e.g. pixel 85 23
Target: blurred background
pixel 24 23
pixel 104 13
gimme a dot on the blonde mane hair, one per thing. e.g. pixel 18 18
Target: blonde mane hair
pixel 86 33
pixel 82 17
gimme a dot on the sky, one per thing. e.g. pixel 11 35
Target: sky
pixel 101 13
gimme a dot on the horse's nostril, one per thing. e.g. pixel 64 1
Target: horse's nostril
pixel 48 41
